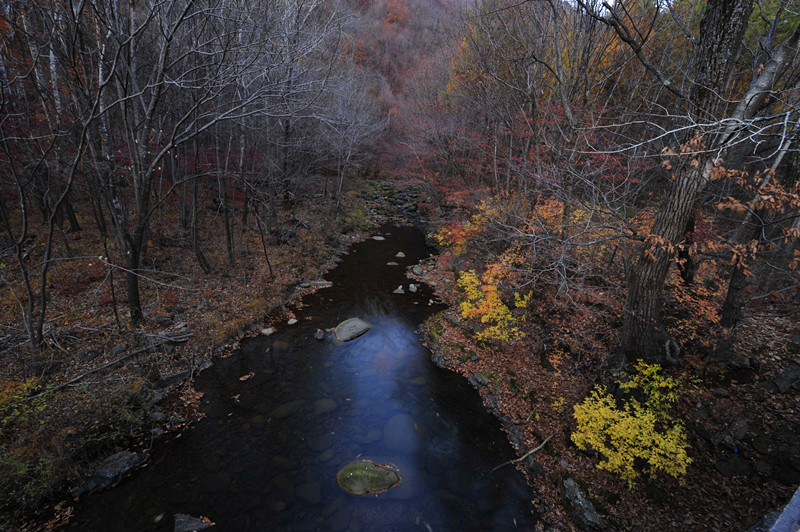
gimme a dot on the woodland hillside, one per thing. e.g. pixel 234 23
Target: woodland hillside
pixel 612 189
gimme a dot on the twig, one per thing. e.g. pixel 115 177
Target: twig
pixel 91 371
pixel 524 456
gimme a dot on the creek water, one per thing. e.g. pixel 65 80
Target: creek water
pixel 267 454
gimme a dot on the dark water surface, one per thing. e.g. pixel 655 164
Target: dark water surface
pixel 267 455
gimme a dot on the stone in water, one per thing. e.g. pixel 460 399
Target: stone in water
pixel 351 329
pixel 363 476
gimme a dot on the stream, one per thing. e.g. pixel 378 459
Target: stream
pixel 267 454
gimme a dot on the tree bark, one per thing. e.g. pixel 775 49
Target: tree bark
pixel 722 29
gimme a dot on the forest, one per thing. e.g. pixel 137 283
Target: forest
pixel 611 189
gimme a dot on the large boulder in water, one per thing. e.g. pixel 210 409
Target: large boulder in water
pixel 351 329
pixel 362 477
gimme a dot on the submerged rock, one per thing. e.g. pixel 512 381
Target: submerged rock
pixel 324 405
pixel 399 290
pixel 287 409
pixel 351 329
pixel 363 476
pixel 400 434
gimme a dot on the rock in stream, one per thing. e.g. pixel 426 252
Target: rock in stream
pixel 362 477
pixel 351 329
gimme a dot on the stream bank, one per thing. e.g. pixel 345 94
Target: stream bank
pixel 742 427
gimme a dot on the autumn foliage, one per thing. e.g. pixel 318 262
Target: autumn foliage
pixel 639 437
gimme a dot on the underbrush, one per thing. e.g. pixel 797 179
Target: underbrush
pixel 49 440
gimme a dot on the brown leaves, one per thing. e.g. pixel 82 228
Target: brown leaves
pixel 795 261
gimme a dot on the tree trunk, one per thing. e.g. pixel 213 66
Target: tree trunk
pixel 132 280
pixel 722 30
pixel 198 251
pixel 686 263
pixel 644 334
pixel 730 318
pixel 732 314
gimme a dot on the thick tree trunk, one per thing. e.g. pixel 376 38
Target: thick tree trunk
pixel 644 334
pixel 722 30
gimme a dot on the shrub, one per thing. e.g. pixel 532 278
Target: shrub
pixel 482 301
pixel 16 407
pixel 25 480
pixel 642 436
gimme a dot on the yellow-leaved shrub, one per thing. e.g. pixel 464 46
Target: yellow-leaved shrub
pixel 640 437
pixel 482 301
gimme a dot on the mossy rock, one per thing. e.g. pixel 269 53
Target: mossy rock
pixel 363 476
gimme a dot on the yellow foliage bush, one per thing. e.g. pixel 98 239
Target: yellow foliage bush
pixel 482 301
pixel 640 437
